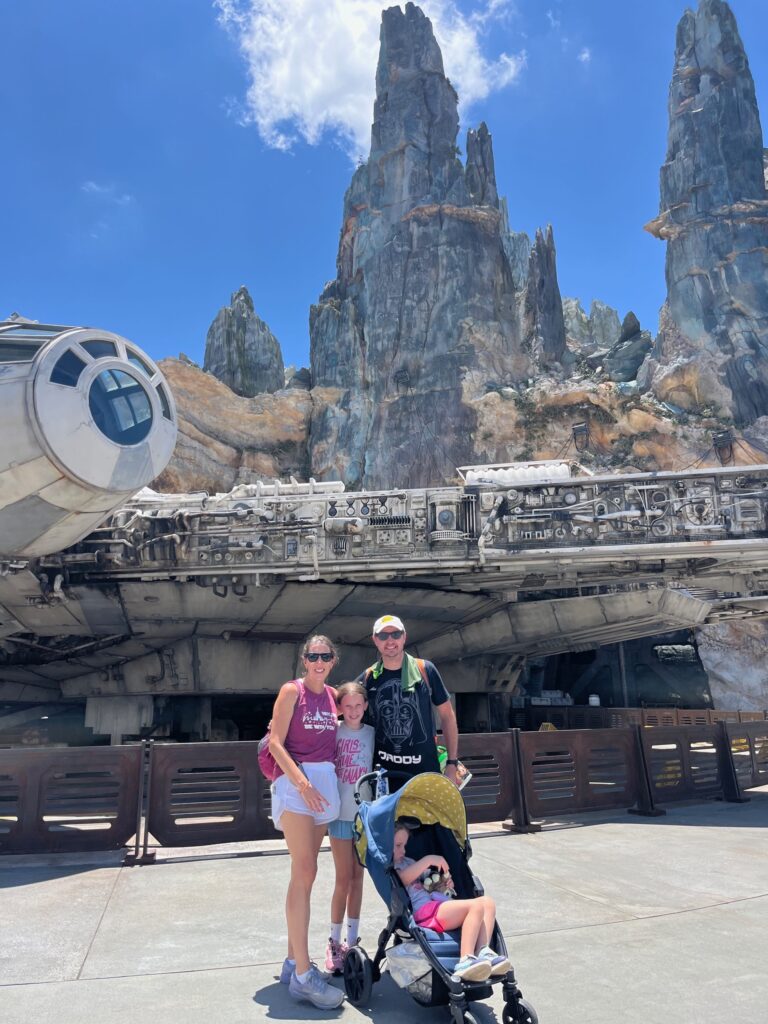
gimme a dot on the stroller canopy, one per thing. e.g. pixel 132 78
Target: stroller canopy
pixel 431 798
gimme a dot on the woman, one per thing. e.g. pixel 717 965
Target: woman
pixel 304 799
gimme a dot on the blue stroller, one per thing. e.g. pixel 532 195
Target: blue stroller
pixel 434 810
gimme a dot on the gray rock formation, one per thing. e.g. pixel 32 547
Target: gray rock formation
pixel 242 351
pixel 584 334
pixel 712 349
pixel 622 360
pixel 434 296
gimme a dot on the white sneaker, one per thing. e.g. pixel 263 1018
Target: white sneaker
pixel 499 964
pixel 472 968
pixel 316 990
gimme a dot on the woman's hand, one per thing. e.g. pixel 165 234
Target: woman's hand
pixel 314 800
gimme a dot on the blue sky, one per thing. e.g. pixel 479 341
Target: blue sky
pixel 157 154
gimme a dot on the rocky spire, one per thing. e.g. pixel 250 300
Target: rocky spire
pixel 712 349
pixel 429 301
pixel 242 351
pixel 480 173
pixel 545 326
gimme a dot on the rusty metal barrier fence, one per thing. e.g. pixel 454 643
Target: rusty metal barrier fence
pixel 579 770
pixel 568 716
pixel 684 762
pixel 493 791
pixel 54 801
pixel 749 751
pixel 204 793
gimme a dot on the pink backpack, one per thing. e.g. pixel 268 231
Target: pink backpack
pixel 270 769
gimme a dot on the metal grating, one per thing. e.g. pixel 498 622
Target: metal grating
pixel 80 799
pixel 705 773
pixel 665 765
pixel 485 785
pixel 10 793
pixel 208 794
pixel 607 770
pixel 554 775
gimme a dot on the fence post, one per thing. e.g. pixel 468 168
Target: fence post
pixel 520 818
pixel 645 805
pixel 731 788
pixel 146 856
pixel 132 859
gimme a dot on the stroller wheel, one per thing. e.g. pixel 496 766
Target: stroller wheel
pixel 521 1013
pixel 358 976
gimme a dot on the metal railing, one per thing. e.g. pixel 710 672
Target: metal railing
pixel 83 798
pixel 97 798
pixel 568 716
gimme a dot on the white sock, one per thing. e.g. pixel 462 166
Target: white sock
pixel 290 960
pixel 336 931
pixel 353 929
pixel 302 977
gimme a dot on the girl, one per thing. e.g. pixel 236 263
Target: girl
pixel 354 757
pixel 442 913
pixel 304 799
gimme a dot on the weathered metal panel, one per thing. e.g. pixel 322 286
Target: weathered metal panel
pixel 84 798
pixel 203 793
pixel 579 770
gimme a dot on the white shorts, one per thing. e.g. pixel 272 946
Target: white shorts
pixel 285 796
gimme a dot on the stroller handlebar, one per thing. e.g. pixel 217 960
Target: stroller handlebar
pixel 378 783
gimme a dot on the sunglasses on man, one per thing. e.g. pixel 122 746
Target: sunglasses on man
pixel 326 656
pixel 391 634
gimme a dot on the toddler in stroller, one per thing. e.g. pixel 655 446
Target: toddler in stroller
pixel 442 964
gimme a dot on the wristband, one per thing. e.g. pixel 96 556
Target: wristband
pixel 452 760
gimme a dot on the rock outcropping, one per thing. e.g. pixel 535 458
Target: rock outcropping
pixel 241 351
pixel 226 440
pixel 712 349
pixel 434 296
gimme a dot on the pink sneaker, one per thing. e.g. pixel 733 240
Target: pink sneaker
pixel 334 956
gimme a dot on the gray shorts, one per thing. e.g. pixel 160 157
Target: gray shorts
pixel 286 797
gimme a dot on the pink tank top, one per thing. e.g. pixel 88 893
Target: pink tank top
pixel 311 734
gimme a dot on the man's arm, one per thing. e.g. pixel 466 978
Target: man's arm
pixel 450 730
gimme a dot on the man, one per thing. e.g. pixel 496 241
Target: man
pixel 402 691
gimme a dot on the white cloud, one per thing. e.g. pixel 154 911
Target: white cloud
pixel 107 193
pixel 312 65
pixel 585 55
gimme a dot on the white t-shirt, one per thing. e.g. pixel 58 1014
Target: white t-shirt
pixel 354 757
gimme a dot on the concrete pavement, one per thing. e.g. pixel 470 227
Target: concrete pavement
pixel 608 918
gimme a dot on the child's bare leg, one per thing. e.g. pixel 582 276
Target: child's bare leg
pixel 467 915
pixel 489 919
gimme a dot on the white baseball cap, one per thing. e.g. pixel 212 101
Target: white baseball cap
pixel 387 620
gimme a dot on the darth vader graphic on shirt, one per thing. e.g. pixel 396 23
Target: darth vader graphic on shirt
pixel 405 733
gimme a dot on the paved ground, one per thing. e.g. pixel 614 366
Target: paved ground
pixel 608 919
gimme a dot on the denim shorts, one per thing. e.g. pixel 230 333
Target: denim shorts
pixel 341 829
pixel 285 796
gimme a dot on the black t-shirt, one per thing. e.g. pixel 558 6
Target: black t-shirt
pixel 405 731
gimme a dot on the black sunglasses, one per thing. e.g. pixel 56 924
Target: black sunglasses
pixel 391 634
pixel 314 656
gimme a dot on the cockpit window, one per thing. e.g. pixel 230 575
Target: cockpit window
pixel 136 359
pixel 19 351
pixel 120 407
pixel 67 370
pixel 99 349
pixel 164 405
